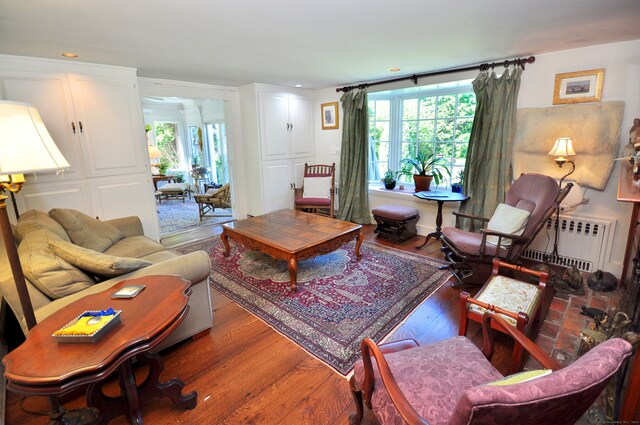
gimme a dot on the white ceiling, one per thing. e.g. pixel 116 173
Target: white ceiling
pixel 315 43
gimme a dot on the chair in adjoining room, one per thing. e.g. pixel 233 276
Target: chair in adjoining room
pixel 454 382
pixel 212 199
pixel 530 201
pixel 317 192
pixel 521 304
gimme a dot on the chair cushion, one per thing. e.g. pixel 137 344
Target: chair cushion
pixel 36 220
pixel 316 187
pixel 85 231
pixel 395 212
pixel 174 188
pixel 509 294
pixel 135 247
pixel 96 262
pixel 430 378
pixel 469 243
pixel 314 201
pixel 507 219
pixel 52 275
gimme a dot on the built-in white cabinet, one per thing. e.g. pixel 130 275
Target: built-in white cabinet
pixel 93 114
pixel 278 137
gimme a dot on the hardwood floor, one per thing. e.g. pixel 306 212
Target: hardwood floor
pixel 246 373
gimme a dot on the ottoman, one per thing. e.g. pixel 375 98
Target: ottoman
pixel 174 190
pixel 396 222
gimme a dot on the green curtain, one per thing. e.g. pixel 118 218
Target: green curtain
pixel 488 163
pixel 354 158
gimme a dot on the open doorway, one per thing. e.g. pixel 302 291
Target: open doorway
pixel 192 162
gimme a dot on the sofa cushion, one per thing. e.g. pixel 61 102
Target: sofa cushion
pixel 36 220
pixel 96 262
pixel 52 275
pixel 136 247
pixel 86 231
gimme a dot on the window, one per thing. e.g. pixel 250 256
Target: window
pixel 166 139
pixel 433 119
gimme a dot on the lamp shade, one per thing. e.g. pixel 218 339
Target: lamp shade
pixel 25 143
pixel 563 147
pixel 154 152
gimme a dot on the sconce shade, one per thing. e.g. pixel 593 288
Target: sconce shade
pixel 25 143
pixel 154 152
pixel 563 147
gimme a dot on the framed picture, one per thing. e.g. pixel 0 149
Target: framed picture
pixel 578 87
pixel 329 116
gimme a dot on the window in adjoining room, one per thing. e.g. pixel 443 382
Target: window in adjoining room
pixel 431 119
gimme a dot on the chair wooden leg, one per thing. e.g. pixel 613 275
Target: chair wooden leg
pixel 356 417
pixel 464 317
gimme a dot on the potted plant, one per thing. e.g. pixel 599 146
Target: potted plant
pixel 163 166
pixel 389 179
pixel 427 167
pixel 457 187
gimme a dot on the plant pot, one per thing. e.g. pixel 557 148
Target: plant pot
pixel 422 182
pixel 456 188
pixel 390 186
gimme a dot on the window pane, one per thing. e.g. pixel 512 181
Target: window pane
pixel 460 153
pixel 466 104
pixel 425 148
pixel 410 109
pixel 444 129
pixel 372 109
pixel 409 131
pixel 382 109
pixel 408 150
pixel 445 151
pixel 427 107
pixel 463 129
pixel 446 106
pixel 380 132
pixel 426 131
pixel 382 151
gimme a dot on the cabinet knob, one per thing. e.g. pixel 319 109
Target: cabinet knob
pixel 288 125
pixel 80 125
pixel 73 127
pixel 291 126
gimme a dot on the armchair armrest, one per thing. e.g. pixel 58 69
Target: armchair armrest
pixel 514 238
pixel 470 216
pixel 530 346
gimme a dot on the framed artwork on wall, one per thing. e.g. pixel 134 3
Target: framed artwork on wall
pixel 578 87
pixel 329 116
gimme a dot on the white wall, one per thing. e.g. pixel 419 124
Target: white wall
pixel 621 62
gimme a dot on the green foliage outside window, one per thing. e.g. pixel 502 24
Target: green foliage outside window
pixel 167 143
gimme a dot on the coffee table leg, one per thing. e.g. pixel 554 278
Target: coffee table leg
pixel 293 273
pixel 128 387
pixel 358 244
pixel 225 241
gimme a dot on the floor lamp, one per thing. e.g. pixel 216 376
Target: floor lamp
pixel 27 147
pixel 562 148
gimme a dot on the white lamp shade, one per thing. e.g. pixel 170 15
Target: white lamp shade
pixel 154 152
pixel 562 147
pixel 25 143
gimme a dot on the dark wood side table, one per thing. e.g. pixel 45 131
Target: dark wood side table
pixel 43 366
pixel 441 197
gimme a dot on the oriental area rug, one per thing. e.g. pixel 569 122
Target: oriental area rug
pixel 339 300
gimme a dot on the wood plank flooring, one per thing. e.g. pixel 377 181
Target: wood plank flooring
pixel 246 373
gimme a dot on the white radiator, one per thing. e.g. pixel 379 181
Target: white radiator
pixel 581 242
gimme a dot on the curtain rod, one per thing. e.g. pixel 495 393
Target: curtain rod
pixel 482 67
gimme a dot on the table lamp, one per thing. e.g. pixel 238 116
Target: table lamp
pixel 25 147
pixel 154 153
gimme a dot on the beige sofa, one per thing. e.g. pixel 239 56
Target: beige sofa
pixel 67 255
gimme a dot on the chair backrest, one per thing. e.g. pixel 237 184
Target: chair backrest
pixel 319 170
pixel 558 398
pixel 539 194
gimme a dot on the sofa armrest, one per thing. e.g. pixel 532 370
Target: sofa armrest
pixel 129 226
pixel 194 266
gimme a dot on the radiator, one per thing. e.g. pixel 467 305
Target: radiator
pixel 581 242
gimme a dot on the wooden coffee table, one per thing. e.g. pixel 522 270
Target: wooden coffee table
pixel 291 236
pixel 44 366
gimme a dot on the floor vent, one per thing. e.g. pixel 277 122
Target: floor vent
pixel 581 242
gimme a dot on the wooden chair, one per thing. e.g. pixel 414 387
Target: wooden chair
pixel 212 199
pixel 449 382
pixel 521 304
pixel 470 254
pixel 318 188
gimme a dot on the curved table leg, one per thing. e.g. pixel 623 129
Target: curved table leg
pixel 225 242
pixel 359 244
pixel 130 392
pixel 437 233
pixel 152 387
pixel 293 273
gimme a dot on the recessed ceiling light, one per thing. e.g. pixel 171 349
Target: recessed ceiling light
pixel 394 69
pixel 69 55
pixel 298 85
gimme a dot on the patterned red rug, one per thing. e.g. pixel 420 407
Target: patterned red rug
pixel 339 300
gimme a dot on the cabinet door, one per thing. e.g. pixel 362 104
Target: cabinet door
pixel 276 185
pixel 301 118
pixel 110 124
pixel 274 126
pixel 61 194
pixel 123 196
pixel 50 94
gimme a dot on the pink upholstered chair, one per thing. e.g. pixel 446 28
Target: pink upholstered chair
pixel 317 192
pixel 470 254
pixel 446 383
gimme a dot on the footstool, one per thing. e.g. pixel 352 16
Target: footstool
pixel 174 190
pixel 396 222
